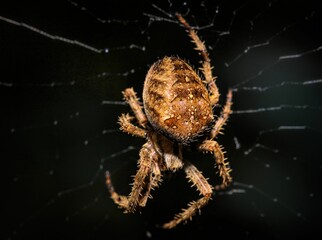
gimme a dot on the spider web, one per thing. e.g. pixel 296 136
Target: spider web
pixel 64 65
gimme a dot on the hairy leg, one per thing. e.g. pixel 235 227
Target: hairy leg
pixel 133 101
pixel 198 180
pixel 223 166
pixel 142 181
pixel 221 121
pixel 206 66
pixel 154 179
pixel 128 127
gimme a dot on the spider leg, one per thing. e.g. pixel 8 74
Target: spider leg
pixel 154 180
pixel 221 121
pixel 133 101
pixel 128 127
pixel 223 166
pixel 198 180
pixel 206 66
pixel 120 200
pixel 145 179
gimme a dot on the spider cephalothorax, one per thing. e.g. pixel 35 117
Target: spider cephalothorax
pixel 177 110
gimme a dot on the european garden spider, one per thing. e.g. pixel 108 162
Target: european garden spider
pixel 178 110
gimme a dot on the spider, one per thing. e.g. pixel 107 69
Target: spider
pixel 178 111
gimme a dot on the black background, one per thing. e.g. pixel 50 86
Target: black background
pixel 58 138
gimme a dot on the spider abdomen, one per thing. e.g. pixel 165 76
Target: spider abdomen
pixel 176 101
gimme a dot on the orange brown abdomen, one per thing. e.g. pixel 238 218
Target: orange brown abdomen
pixel 176 101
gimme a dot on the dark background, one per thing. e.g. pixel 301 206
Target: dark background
pixel 58 138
